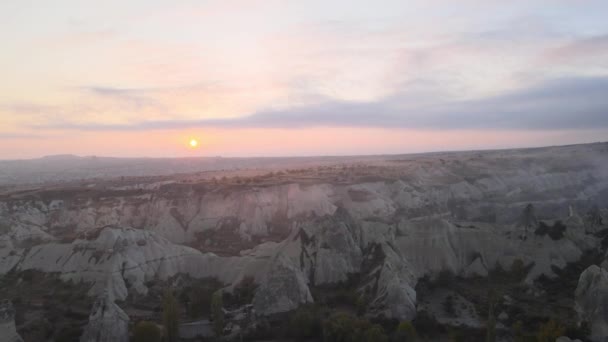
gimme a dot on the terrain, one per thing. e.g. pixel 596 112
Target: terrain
pixel 452 243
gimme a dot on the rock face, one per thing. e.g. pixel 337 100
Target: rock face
pixel 566 339
pixel 284 290
pixel 592 301
pixel 386 224
pixel 107 323
pixel 8 332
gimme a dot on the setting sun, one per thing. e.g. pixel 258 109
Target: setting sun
pixel 193 143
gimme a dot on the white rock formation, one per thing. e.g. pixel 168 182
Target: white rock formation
pixel 566 339
pixel 283 290
pixel 8 331
pixel 460 214
pixel 591 301
pixel 107 322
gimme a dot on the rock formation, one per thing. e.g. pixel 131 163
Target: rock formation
pixel 390 223
pixel 591 298
pixel 8 332
pixel 107 322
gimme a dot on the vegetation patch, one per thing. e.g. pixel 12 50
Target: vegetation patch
pixel 555 232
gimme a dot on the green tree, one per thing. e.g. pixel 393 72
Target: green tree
pixel 217 312
pixel 170 316
pixel 145 331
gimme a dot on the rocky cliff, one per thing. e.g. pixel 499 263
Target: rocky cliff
pixel 107 322
pixel 592 301
pixel 386 224
pixel 8 331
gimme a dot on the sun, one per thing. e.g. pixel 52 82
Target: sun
pixel 193 143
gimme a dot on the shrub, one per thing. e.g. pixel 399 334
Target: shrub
pixel 448 306
pixel 244 290
pixel 304 323
pixel 342 327
pixel 580 331
pixel 375 334
pixel 518 269
pixel 426 324
pixel 405 332
pixel 550 331
pixel 444 279
pixel 555 232
pixel 146 331
pixel 339 328
pixel 518 332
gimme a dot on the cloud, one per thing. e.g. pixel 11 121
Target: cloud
pixel 17 136
pixel 583 48
pixel 559 104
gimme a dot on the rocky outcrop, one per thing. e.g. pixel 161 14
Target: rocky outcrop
pixel 395 296
pixel 107 322
pixel 284 289
pixel 8 331
pixel 566 339
pixel 591 301
pixel 388 224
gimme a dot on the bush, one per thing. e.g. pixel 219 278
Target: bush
pixel 444 279
pixel 580 331
pixel 405 332
pixel 555 232
pixel 342 327
pixel 244 291
pixel 375 334
pixel 550 331
pixel 304 323
pixel 518 332
pixel 448 306
pixel 339 328
pixel 68 333
pixel 427 325
pixel 518 267
pixel 146 331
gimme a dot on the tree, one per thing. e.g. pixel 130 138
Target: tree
pixel 448 306
pixel 405 332
pixel 491 323
pixel 304 323
pixel 217 312
pixel 594 216
pixel 340 327
pixel 518 331
pixel 170 316
pixel 146 331
pixel 528 219
pixel 343 327
pixel 375 334
pixel 550 331
pixel 518 269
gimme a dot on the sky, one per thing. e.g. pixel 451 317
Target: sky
pixel 286 77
